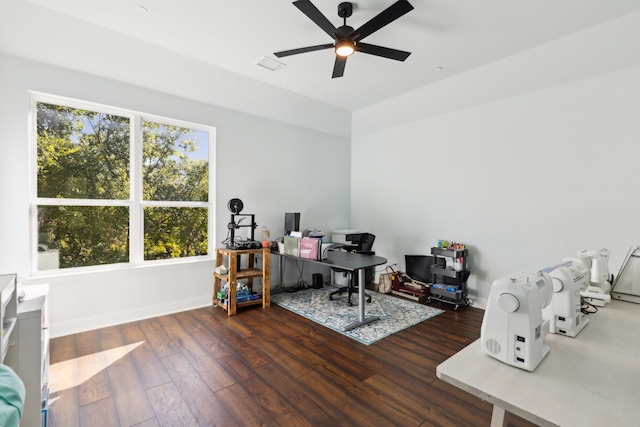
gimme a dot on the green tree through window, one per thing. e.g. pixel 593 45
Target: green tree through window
pixel 171 174
pixel 89 210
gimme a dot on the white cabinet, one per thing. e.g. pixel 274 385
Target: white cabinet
pixel 33 353
pixel 8 316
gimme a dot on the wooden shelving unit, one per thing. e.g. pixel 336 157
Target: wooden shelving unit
pixel 235 273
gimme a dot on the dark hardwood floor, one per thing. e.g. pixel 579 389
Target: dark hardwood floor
pixel 262 367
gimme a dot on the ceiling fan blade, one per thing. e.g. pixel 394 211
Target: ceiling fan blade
pixel 303 50
pixel 317 17
pixel 338 66
pixel 385 52
pixel 385 17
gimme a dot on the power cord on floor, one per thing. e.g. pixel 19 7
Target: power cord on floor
pixel 301 285
pixel 587 307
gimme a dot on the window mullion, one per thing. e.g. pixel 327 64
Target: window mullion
pixel 136 224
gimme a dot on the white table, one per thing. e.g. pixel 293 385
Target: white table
pixel 590 380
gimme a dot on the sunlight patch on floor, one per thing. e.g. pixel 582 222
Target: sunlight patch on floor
pixel 71 373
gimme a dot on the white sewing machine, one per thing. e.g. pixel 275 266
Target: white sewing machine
pixel 597 261
pixel 564 313
pixel 512 329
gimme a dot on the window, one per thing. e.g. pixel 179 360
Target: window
pixel 114 186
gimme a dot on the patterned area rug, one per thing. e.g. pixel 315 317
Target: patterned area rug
pixel 395 314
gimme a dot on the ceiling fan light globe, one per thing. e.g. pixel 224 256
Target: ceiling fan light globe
pixel 345 48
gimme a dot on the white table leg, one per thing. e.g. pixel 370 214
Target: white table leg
pixel 499 417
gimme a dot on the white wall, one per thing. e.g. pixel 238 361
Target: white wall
pixel 34 32
pixel 272 166
pixel 524 180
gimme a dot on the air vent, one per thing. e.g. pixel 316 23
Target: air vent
pixel 270 64
pixel 493 346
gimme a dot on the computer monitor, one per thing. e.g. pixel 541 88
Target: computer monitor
pixel 291 222
pixel 418 267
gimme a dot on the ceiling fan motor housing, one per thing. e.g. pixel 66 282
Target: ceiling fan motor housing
pixel 345 9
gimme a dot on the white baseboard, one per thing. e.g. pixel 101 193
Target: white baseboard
pixel 90 323
pixel 479 302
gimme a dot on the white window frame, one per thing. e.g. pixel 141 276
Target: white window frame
pixel 135 203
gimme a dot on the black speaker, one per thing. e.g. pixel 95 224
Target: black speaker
pixel 291 222
pixel 316 279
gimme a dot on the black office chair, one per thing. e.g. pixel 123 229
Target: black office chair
pixel 361 243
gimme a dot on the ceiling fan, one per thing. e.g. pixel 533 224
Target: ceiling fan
pixel 346 39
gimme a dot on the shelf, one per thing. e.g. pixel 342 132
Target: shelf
pixel 6 296
pixel 241 304
pixel 450 253
pixel 8 326
pixel 234 274
pixel 441 271
pixel 247 273
pixel 457 303
pixel 450 295
pixel 227 251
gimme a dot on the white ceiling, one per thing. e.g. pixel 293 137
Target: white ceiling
pixel 446 37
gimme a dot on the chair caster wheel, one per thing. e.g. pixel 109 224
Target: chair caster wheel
pixel 350 304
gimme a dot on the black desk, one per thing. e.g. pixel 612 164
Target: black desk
pixel 356 264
